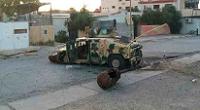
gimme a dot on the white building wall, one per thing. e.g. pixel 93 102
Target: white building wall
pixel 107 5
pixel 151 5
pixel 119 17
pixel 9 39
pixel 59 21
pixel 190 24
pixel 122 27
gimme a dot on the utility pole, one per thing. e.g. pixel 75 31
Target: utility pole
pixel 131 27
pixel 51 17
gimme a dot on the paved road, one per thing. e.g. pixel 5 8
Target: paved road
pixel 168 91
pixel 170 47
pixel 32 75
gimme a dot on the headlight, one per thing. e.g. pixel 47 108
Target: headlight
pixel 55 53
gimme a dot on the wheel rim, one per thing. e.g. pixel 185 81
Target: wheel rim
pixel 115 63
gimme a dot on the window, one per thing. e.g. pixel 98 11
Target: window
pixel 136 9
pixel 45 32
pixel 20 31
pixel 156 7
pixel 145 7
pixel 168 5
pixel 120 0
pixel 113 7
pixel 128 8
pixel 191 4
pixel 120 8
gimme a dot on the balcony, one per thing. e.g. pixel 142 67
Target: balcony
pixel 155 1
pixel 190 12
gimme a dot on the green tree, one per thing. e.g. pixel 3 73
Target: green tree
pixel 173 18
pixel 136 9
pixel 10 6
pixel 151 17
pixel 78 21
pixel 168 15
pixel 61 36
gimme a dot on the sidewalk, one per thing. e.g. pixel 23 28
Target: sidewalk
pixel 75 93
pixel 159 37
pixel 10 53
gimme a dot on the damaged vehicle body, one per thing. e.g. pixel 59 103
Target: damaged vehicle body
pixel 106 47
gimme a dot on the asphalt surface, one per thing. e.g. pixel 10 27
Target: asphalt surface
pixel 167 91
pixel 171 47
pixel 32 75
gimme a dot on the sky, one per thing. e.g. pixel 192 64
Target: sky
pixel 77 4
pixel 199 5
pixel 66 4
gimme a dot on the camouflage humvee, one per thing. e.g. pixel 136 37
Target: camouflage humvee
pixel 111 51
pixel 106 47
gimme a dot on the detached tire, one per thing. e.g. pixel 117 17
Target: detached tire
pixel 116 61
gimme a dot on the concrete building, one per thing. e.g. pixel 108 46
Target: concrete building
pixel 113 6
pixel 192 26
pixel 14 35
pixel 186 7
pixel 157 4
pixel 123 26
pixel 59 21
pixel 189 8
pixel 191 16
pixel 41 30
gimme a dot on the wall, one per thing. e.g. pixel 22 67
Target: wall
pixel 59 21
pixel 120 17
pixel 122 27
pixel 143 29
pixel 106 5
pixel 150 5
pixel 190 12
pixel 190 26
pixel 9 39
pixel 41 34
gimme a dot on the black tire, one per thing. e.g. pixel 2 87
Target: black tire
pixel 116 59
pixel 61 56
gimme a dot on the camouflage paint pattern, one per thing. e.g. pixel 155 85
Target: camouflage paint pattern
pixel 102 48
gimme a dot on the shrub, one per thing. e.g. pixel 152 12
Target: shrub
pixel 168 15
pixel 61 36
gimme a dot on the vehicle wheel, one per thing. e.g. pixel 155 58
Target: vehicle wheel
pixel 61 56
pixel 116 61
pixel 139 59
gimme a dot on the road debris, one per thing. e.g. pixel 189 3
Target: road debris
pixel 194 80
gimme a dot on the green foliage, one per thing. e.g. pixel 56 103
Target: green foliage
pixel 79 20
pixel 136 9
pixel 173 18
pixel 61 37
pixel 168 15
pixel 9 6
pixel 151 17
pixel 136 20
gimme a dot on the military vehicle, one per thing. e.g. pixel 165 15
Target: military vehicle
pixel 106 47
